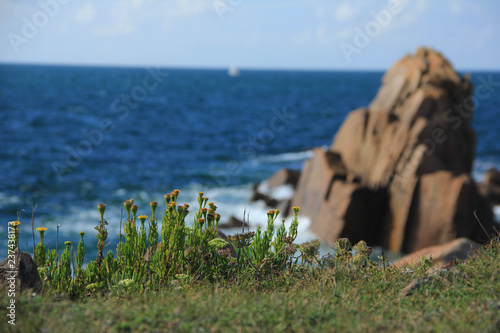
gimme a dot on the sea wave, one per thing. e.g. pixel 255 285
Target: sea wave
pixel 285 157
pixel 481 166
pixel 279 193
pixel 496 210
pixel 7 199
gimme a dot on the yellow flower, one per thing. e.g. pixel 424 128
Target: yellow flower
pixel 101 207
pixel 128 204
pixel 14 223
pixel 41 229
pixel 142 217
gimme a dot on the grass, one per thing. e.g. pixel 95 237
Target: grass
pixel 329 299
pixel 192 284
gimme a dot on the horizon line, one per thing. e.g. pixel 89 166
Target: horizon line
pixel 224 68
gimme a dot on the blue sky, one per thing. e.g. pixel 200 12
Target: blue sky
pixel 281 34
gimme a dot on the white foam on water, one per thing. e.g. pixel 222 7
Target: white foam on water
pixel 496 210
pixel 279 193
pixel 234 201
pixel 480 167
pixel 230 201
pixel 285 157
pixel 6 199
pixel 121 192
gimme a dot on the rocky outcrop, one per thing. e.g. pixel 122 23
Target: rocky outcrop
pixel 232 223
pixel 458 249
pixel 19 273
pixel 266 191
pixel 490 186
pixel 398 171
pixel 283 177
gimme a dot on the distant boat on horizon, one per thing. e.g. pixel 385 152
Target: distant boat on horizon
pixel 233 71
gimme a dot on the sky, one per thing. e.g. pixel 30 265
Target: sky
pixel 257 34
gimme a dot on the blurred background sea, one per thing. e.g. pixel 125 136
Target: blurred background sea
pixel 73 137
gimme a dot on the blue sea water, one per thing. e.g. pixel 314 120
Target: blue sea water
pixel 73 137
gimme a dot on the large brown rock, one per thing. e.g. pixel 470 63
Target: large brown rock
pixel 398 172
pixel 458 249
pixel 283 177
pixel 19 273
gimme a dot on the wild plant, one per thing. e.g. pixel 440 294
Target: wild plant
pixel 186 254
pixel 65 267
pixel 40 251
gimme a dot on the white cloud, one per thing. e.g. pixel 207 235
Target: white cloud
pixel 321 30
pixel 345 11
pixel 422 5
pixel 302 38
pixel 119 21
pixel 344 34
pixel 122 16
pixel 190 7
pixel 137 4
pixel 85 14
pixel 455 7
pixel 171 12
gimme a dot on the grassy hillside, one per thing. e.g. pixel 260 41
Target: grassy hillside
pixel 465 297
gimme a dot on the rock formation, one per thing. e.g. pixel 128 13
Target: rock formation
pixel 398 171
pixel 232 223
pixel 20 272
pixel 282 177
pixel 439 255
pixel 490 186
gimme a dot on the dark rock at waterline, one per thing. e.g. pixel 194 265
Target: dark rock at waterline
pixel 19 273
pixel 283 177
pixel 258 196
pixel 457 249
pixel 490 186
pixel 232 223
pixel 280 178
pixel 398 171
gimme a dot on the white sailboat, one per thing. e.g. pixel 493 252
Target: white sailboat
pixel 233 71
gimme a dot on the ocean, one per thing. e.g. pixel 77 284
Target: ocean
pixel 74 137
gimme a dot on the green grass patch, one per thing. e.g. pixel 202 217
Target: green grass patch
pixel 466 299
pixel 191 285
